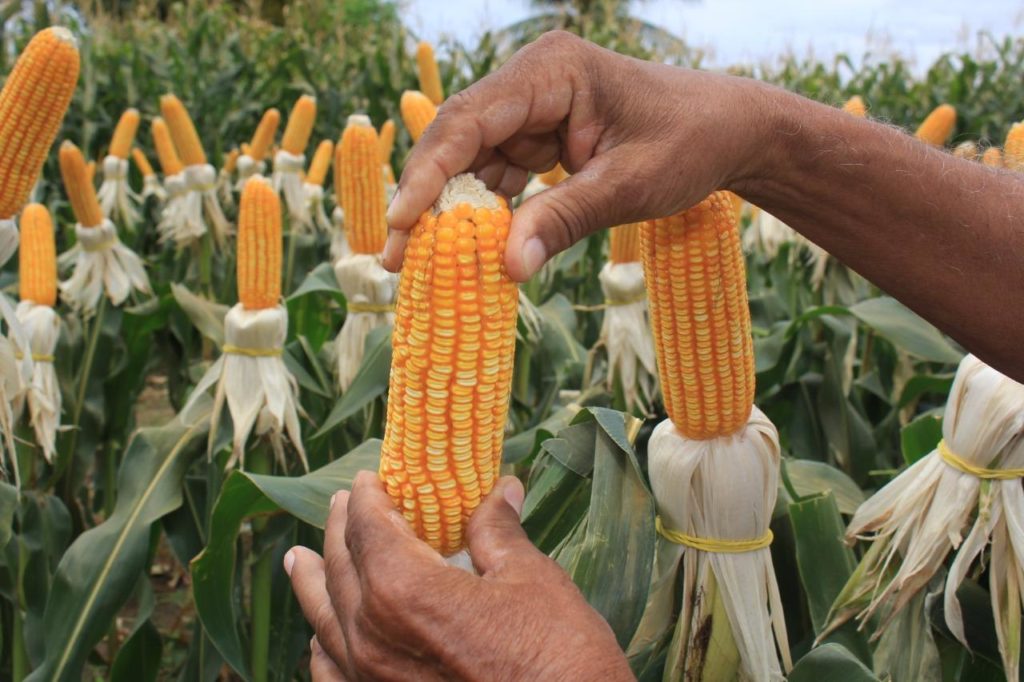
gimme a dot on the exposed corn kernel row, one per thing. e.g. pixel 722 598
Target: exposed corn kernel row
pixel 264 136
pixel 320 164
pixel 78 186
pixel 32 104
pixel 1013 148
pixel 124 134
pixel 418 112
pixel 166 153
pixel 697 287
pixel 183 131
pixel 259 246
pixel 454 340
pixel 937 126
pixel 37 257
pixel 300 126
pixel 624 243
pixel 429 74
pixel 855 106
pixel 142 163
pixel 362 187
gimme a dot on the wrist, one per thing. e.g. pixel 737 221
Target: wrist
pixel 768 129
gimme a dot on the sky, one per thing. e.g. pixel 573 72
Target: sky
pixel 753 30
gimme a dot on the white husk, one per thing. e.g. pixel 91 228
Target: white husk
pixel 339 242
pixel 626 332
pixel 11 377
pixel 102 264
pixel 174 224
pixel 288 182
pixel 117 200
pixel 199 208
pixel 920 516
pixel 247 167
pixel 41 391
pixel 225 188
pixel 363 280
pixel 766 234
pixel 151 187
pixel 725 488
pixel 260 392
pixel 8 239
pixel 315 202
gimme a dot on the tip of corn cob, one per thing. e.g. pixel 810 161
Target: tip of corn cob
pixel 64 35
pixel 466 189
pixel 855 105
pixel 358 120
pixel 937 126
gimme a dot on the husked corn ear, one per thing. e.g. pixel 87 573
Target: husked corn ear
pixel 300 126
pixel 430 75
pixel 937 126
pixel 386 141
pixel 259 246
pixel 992 157
pixel 737 205
pixel 966 150
pixel 855 105
pixel 37 257
pixel 418 112
pixel 166 152
pixel 124 134
pixel 78 186
pixel 90 171
pixel 696 285
pixel 183 131
pixel 321 163
pixel 624 243
pixel 32 104
pixel 553 176
pixel 231 160
pixel 142 163
pixel 362 187
pixel 1013 149
pixel 454 340
pixel 264 136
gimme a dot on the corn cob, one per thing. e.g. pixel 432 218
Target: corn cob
pixel 855 106
pixel 124 134
pixel 166 152
pixel 362 187
pixel 183 131
pixel 454 340
pixel 320 164
pixel 698 300
pixel 300 126
pixel 624 243
pixel 78 186
pixel 259 246
pixel 37 257
pixel 264 135
pixel 142 163
pixel 1013 148
pixel 992 157
pixel 90 171
pixel 937 126
pixel 418 112
pixel 32 104
pixel 231 161
pixel 553 176
pixel 386 141
pixel 430 76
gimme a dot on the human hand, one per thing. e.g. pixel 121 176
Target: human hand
pixel 385 606
pixel 642 140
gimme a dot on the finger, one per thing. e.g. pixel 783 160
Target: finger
pixel 306 570
pixel 342 580
pixel 321 667
pixel 495 536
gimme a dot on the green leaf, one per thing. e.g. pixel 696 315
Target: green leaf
pixel 320 279
pixel 8 505
pixel 138 658
pixel 370 382
pixel 524 443
pixel 99 570
pixel 814 478
pixel 244 494
pixel 559 344
pixel 207 316
pixel 833 663
pixel 920 436
pixel 905 329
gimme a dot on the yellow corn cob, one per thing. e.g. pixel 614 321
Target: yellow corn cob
pixel 264 136
pixel 992 157
pixel 624 243
pixel 247 149
pixel 855 105
pixel 1013 148
pixel 165 150
pixel 386 141
pixel 300 126
pixel 966 150
pixel 696 284
pixel 418 112
pixel 553 176
pixel 124 134
pixel 32 104
pixel 737 205
pixel 321 163
pixel 454 340
pixel 937 126
pixel 362 187
pixel 90 171
pixel 430 76
pixel 37 257
pixel 259 246
pixel 78 186
pixel 231 161
pixel 183 131
pixel 142 163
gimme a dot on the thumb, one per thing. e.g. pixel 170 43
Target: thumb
pixel 553 220
pixel 494 536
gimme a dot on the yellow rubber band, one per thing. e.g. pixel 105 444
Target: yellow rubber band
pixel 959 463
pixel 252 352
pixel 712 544
pixel 610 303
pixel 356 307
pixel 37 357
pixel 102 246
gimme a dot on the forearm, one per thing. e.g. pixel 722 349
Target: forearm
pixel 940 234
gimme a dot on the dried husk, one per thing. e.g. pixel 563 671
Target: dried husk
pixel 364 281
pixel 288 182
pixel 117 200
pixel 41 391
pixel 102 265
pixel 315 202
pixel 626 333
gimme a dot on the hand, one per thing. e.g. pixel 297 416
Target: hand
pixel 385 606
pixel 642 140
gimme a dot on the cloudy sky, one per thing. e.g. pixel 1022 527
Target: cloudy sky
pixel 751 30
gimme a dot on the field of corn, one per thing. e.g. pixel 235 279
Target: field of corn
pixel 197 353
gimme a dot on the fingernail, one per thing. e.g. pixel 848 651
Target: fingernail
pixel 393 207
pixel 289 561
pixel 514 494
pixel 534 255
pixel 331 503
pixel 314 645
